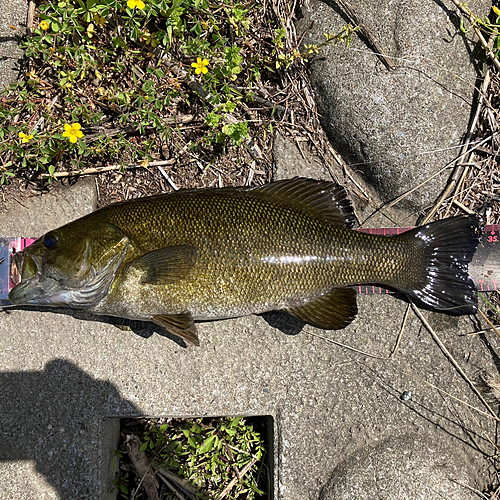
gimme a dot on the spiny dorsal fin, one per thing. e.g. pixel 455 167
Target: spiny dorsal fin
pixel 332 311
pixel 322 199
pixel 166 265
pixel 179 324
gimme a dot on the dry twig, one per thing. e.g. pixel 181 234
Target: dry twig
pixel 473 19
pixel 345 346
pixel 98 170
pixel 142 467
pixel 452 359
pixel 367 33
pixel 235 479
pixel 464 155
pixel 182 484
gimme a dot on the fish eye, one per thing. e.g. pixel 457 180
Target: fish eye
pixel 50 240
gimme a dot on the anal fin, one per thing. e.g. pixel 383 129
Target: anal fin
pixel 331 311
pixel 179 324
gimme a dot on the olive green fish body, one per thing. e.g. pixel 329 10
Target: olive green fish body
pixel 219 253
pixel 253 255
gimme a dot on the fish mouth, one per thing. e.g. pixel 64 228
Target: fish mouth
pixel 29 288
pixel 24 267
pixel 33 288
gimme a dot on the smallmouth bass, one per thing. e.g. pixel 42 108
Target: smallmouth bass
pixel 207 254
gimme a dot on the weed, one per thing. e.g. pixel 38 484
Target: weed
pixel 124 71
pixel 208 453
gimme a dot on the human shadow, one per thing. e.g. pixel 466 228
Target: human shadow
pixel 60 418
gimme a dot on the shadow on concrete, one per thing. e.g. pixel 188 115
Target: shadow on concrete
pixel 284 322
pixel 60 418
pixel 143 329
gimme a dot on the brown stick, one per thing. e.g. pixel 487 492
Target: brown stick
pixel 452 360
pixel 98 170
pixel 173 489
pixel 142 467
pixel 370 37
pixel 465 153
pixel 30 18
pixel 237 478
pixel 185 487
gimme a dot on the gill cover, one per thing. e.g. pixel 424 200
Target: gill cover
pixel 73 265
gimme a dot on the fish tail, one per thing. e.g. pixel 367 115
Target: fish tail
pixel 442 277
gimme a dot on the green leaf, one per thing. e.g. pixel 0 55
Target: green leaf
pixel 144 446
pixel 207 445
pixel 235 421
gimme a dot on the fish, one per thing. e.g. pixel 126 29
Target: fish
pixel 216 253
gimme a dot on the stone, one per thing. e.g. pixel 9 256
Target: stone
pixel 397 128
pixel 408 467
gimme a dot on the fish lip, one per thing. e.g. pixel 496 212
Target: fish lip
pixel 27 291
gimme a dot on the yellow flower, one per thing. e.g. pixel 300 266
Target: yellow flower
pixel 44 25
pixel 90 30
pixel 131 4
pixel 24 137
pixel 73 132
pixel 200 66
pixel 496 10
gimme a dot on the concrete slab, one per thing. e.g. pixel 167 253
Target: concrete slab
pixel 12 13
pixel 63 377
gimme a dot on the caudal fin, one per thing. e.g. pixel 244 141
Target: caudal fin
pixel 448 247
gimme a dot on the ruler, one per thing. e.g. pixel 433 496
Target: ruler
pixel 484 268
pixel 8 247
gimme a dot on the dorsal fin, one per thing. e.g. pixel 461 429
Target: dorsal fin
pixel 322 199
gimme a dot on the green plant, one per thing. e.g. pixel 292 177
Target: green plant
pixel 132 74
pixel 207 453
pixel 113 66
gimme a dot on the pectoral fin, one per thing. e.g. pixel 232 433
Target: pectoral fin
pixel 166 265
pixel 179 324
pixel 332 311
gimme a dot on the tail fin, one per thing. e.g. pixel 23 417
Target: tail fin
pixel 449 246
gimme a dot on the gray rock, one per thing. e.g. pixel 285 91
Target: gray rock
pixel 409 467
pixel 389 124
pixel 12 13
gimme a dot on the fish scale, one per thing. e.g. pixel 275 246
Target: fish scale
pixel 271 255
pixel 219 253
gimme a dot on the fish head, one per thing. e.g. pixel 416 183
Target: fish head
pixel 70 266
